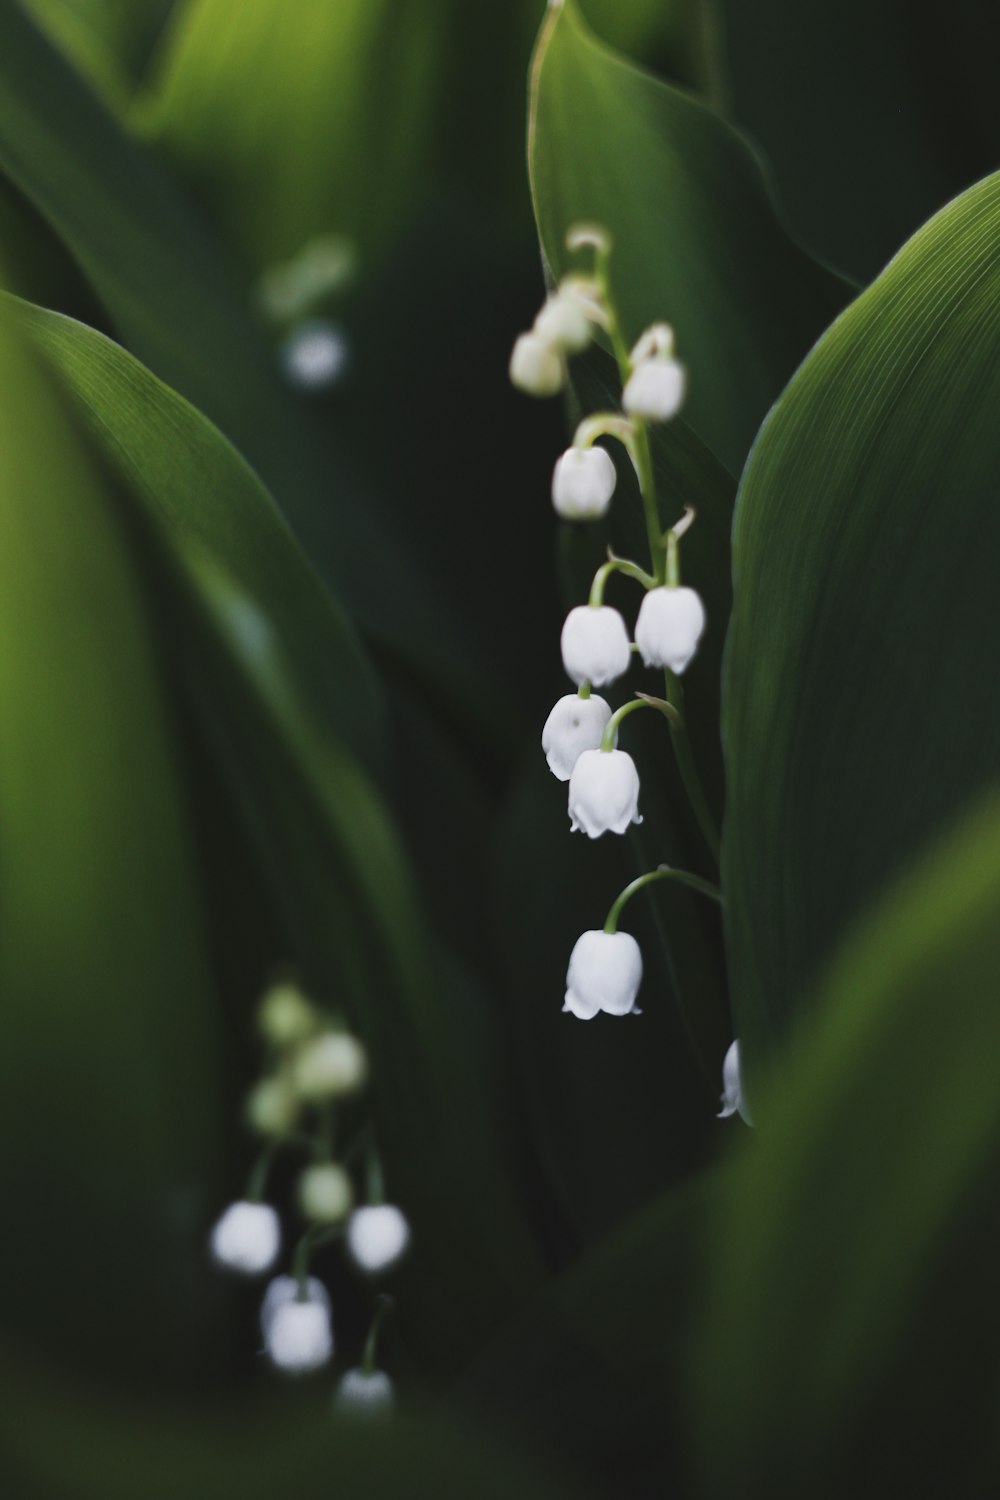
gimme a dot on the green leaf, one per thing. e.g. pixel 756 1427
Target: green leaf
pixel 325 147
pixel 850 1332
pixel 696 239
pixel 107 1094
pixel 861 700
pixel 194 485
pixel 108 40
pixel 873 113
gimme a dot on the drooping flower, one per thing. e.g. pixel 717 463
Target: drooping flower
pixel 377 1236
pixel 574 725
pixel 563 323
pixel 669 627
pixel 364 1393
pixel 595 645
pixel 296 1324
pixel 246 1238
pixel 603 793
pixel 654 392
pixel 732 1087
pixel 536 367
pixel 315 355
pixel 583 482
pixel 605 971
pixel 285 1015
pixel 325 1192
pixel 330 1065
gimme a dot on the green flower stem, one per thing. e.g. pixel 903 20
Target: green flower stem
pixel 617 565
pixel 315 1236
pixel 257 1181
pixel 673 572
pixel 375 1178
pixel 583 691
pixel 662 872
pixel 384 1306
pixel 607 424
pixel 643 700
pixel 686 764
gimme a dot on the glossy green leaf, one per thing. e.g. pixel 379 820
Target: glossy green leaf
pixel 697 242
pixel 323 149
pixel 107 1093
pixel 872 113
pixel 192 483
pixel 861 706
pixel 850 1335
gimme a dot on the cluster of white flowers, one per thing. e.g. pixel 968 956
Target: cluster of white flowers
pixel 314 353
pixel 580 735
pixel 315 1064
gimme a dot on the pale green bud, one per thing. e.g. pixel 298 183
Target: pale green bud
pixel 272 1107
pixel 285 1017
pixel 326 1193
pixel 332 1064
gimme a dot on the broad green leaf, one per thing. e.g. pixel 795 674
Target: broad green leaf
pixel 861 701
pixel 107 1094
pixel 873 113
pixel 849 1338
pixel 344 110
pixel 192 483
pixel 108 40
pixel 697 242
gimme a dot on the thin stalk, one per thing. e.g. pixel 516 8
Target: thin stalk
pixel 687 767
pixel 662 872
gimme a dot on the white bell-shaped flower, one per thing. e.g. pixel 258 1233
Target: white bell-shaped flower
pixel 377 1236
pixel 574 725
pixel 669 627
pixel 583 482
pixel 246 1238
pixel 732 1087
pixel 605 971
pixel 364 1393
pixel 296 1324
pixel 595 644
pixel 536 367
pixel 654 392
pixel 329 1066
pixel 563 323
pixel 603 793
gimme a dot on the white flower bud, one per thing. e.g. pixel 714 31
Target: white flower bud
pixel 315 355
pixel 669 627
pixel 595 644
pixel 377 1236
pixel 574 725
pixel 325 1193
pixel 563 323
pixel 605 971
pixel 285 1016
pixel 297 1329
pixel 333 1064
pixel 247 1238
pixel 364 1393
pixel 271 1108
pixel 732 1087
pixel 582 483
pixel 535 367
pixel 655 390
pixel 603 793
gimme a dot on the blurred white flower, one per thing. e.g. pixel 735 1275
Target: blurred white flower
pixel 247 1238
pixel 605 971
pixel 285 1015
pixel 583 482
pixel 325 1192
pixel 535 367
pixel 330 1065
pixel 377 1236
pixel 654 392
pixel 271 1108
pixel 296 1324
pixel 563 323
pixel 595 644
pixel 364 1393
pixel 315 355
pixel 574 725
pixel 732 1087
pixel 669 627
pixel 603 793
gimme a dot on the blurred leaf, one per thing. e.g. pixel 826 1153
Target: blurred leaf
pixel 696 238
pixel 873 113
pixel 194 484
pixel 108 40
pixel 850 1334
pixel 106 1064
pixel 64 1442
pixel 861 700
pixel 343 115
